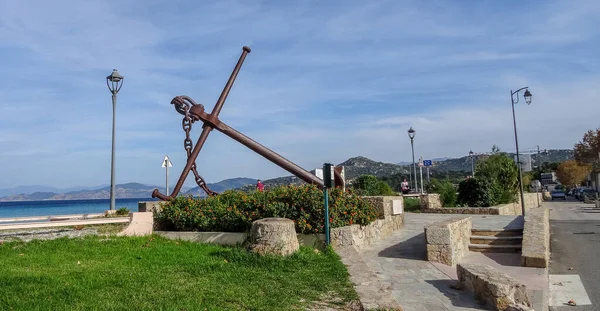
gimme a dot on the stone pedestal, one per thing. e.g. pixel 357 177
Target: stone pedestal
pixel 273 236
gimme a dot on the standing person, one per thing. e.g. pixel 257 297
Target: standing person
pixel 260 186
pixel 404 186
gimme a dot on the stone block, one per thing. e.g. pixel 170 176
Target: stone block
pixel 496 289
pixel 440 253
pixel 276 236
pixel 438 234
pixel 448 241
pixel 140 223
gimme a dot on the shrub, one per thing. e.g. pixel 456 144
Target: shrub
pixel 412 204
pixel 446 191
pixel 369 185
pixel 123 211
pixel 234 211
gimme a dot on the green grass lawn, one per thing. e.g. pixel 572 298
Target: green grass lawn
pixel 153 273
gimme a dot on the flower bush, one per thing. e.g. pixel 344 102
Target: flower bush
pixel 234 211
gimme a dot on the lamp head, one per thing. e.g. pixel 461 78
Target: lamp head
pixel 114 81
pixel 114 76
pixel 411 133
pixel 527 95
pixel 471 153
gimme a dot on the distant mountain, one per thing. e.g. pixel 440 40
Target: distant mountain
pixel 129 190
pixel 353 168
pixel 37 188
pixel 357 166
pixel 464 163
pixel 232 183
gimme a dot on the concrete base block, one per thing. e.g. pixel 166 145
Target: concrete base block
pixel 140 223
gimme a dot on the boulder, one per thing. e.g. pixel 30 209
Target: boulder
pixel 275 236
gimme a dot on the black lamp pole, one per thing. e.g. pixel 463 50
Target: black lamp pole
pixel 527 95
pixel 411 135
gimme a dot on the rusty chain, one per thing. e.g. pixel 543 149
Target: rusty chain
pixel 188 145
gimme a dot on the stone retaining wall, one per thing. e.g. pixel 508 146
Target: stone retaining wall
pixel 448 241
pixel 358 236
pixel 389 210
pixel 536 239
pixel 505 209
pixel 386 205
pixel 430 201
pixel 462 210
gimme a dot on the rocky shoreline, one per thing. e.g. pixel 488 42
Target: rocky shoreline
pixel 27 235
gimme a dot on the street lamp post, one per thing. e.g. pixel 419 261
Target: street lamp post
pixel 527 95
pixel 411 134
pixel 114 82
pixel 472 167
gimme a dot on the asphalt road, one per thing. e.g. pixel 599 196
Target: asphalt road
pixel 575 242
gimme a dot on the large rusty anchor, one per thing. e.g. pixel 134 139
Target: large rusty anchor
pixel 193 112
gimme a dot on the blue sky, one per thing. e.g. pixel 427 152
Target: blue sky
pixel 326 80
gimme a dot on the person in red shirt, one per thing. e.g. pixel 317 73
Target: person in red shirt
pixel 260 186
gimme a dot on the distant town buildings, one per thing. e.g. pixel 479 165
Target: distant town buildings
pixel 548 178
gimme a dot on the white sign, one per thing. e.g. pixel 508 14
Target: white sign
pixel 319 173
pixel 421 162
pixel 166 162
pixel 397 207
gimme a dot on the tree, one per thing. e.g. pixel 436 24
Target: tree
pixel 527 179
pixel 502 173
pixel 571 173
pixel 588 149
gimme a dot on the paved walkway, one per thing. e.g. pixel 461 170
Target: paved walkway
pixel 418 285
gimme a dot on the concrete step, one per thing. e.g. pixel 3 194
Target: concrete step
pixel 507 232
pixel 484 248
pixel 496 240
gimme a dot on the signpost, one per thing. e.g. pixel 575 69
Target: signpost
pixel 327 183
pixel 166 164
pixel 427 164
pixel 421 172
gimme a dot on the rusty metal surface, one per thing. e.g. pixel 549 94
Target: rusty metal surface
pixel 193 112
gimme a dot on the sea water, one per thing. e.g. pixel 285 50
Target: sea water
pixel 64 207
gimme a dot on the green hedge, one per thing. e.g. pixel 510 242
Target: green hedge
pixel 234 211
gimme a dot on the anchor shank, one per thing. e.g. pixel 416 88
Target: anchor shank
pixel 258 148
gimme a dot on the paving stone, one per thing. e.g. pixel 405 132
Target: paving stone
pixel 400 262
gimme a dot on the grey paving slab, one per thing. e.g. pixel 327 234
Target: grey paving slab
pixel 400 261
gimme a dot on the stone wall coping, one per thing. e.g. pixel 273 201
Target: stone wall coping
pixel 536 238
pixel 445 223
pixel 503 209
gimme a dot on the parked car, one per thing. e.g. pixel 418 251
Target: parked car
pixel 559 194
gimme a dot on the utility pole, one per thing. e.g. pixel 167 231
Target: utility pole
pixel 537 194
